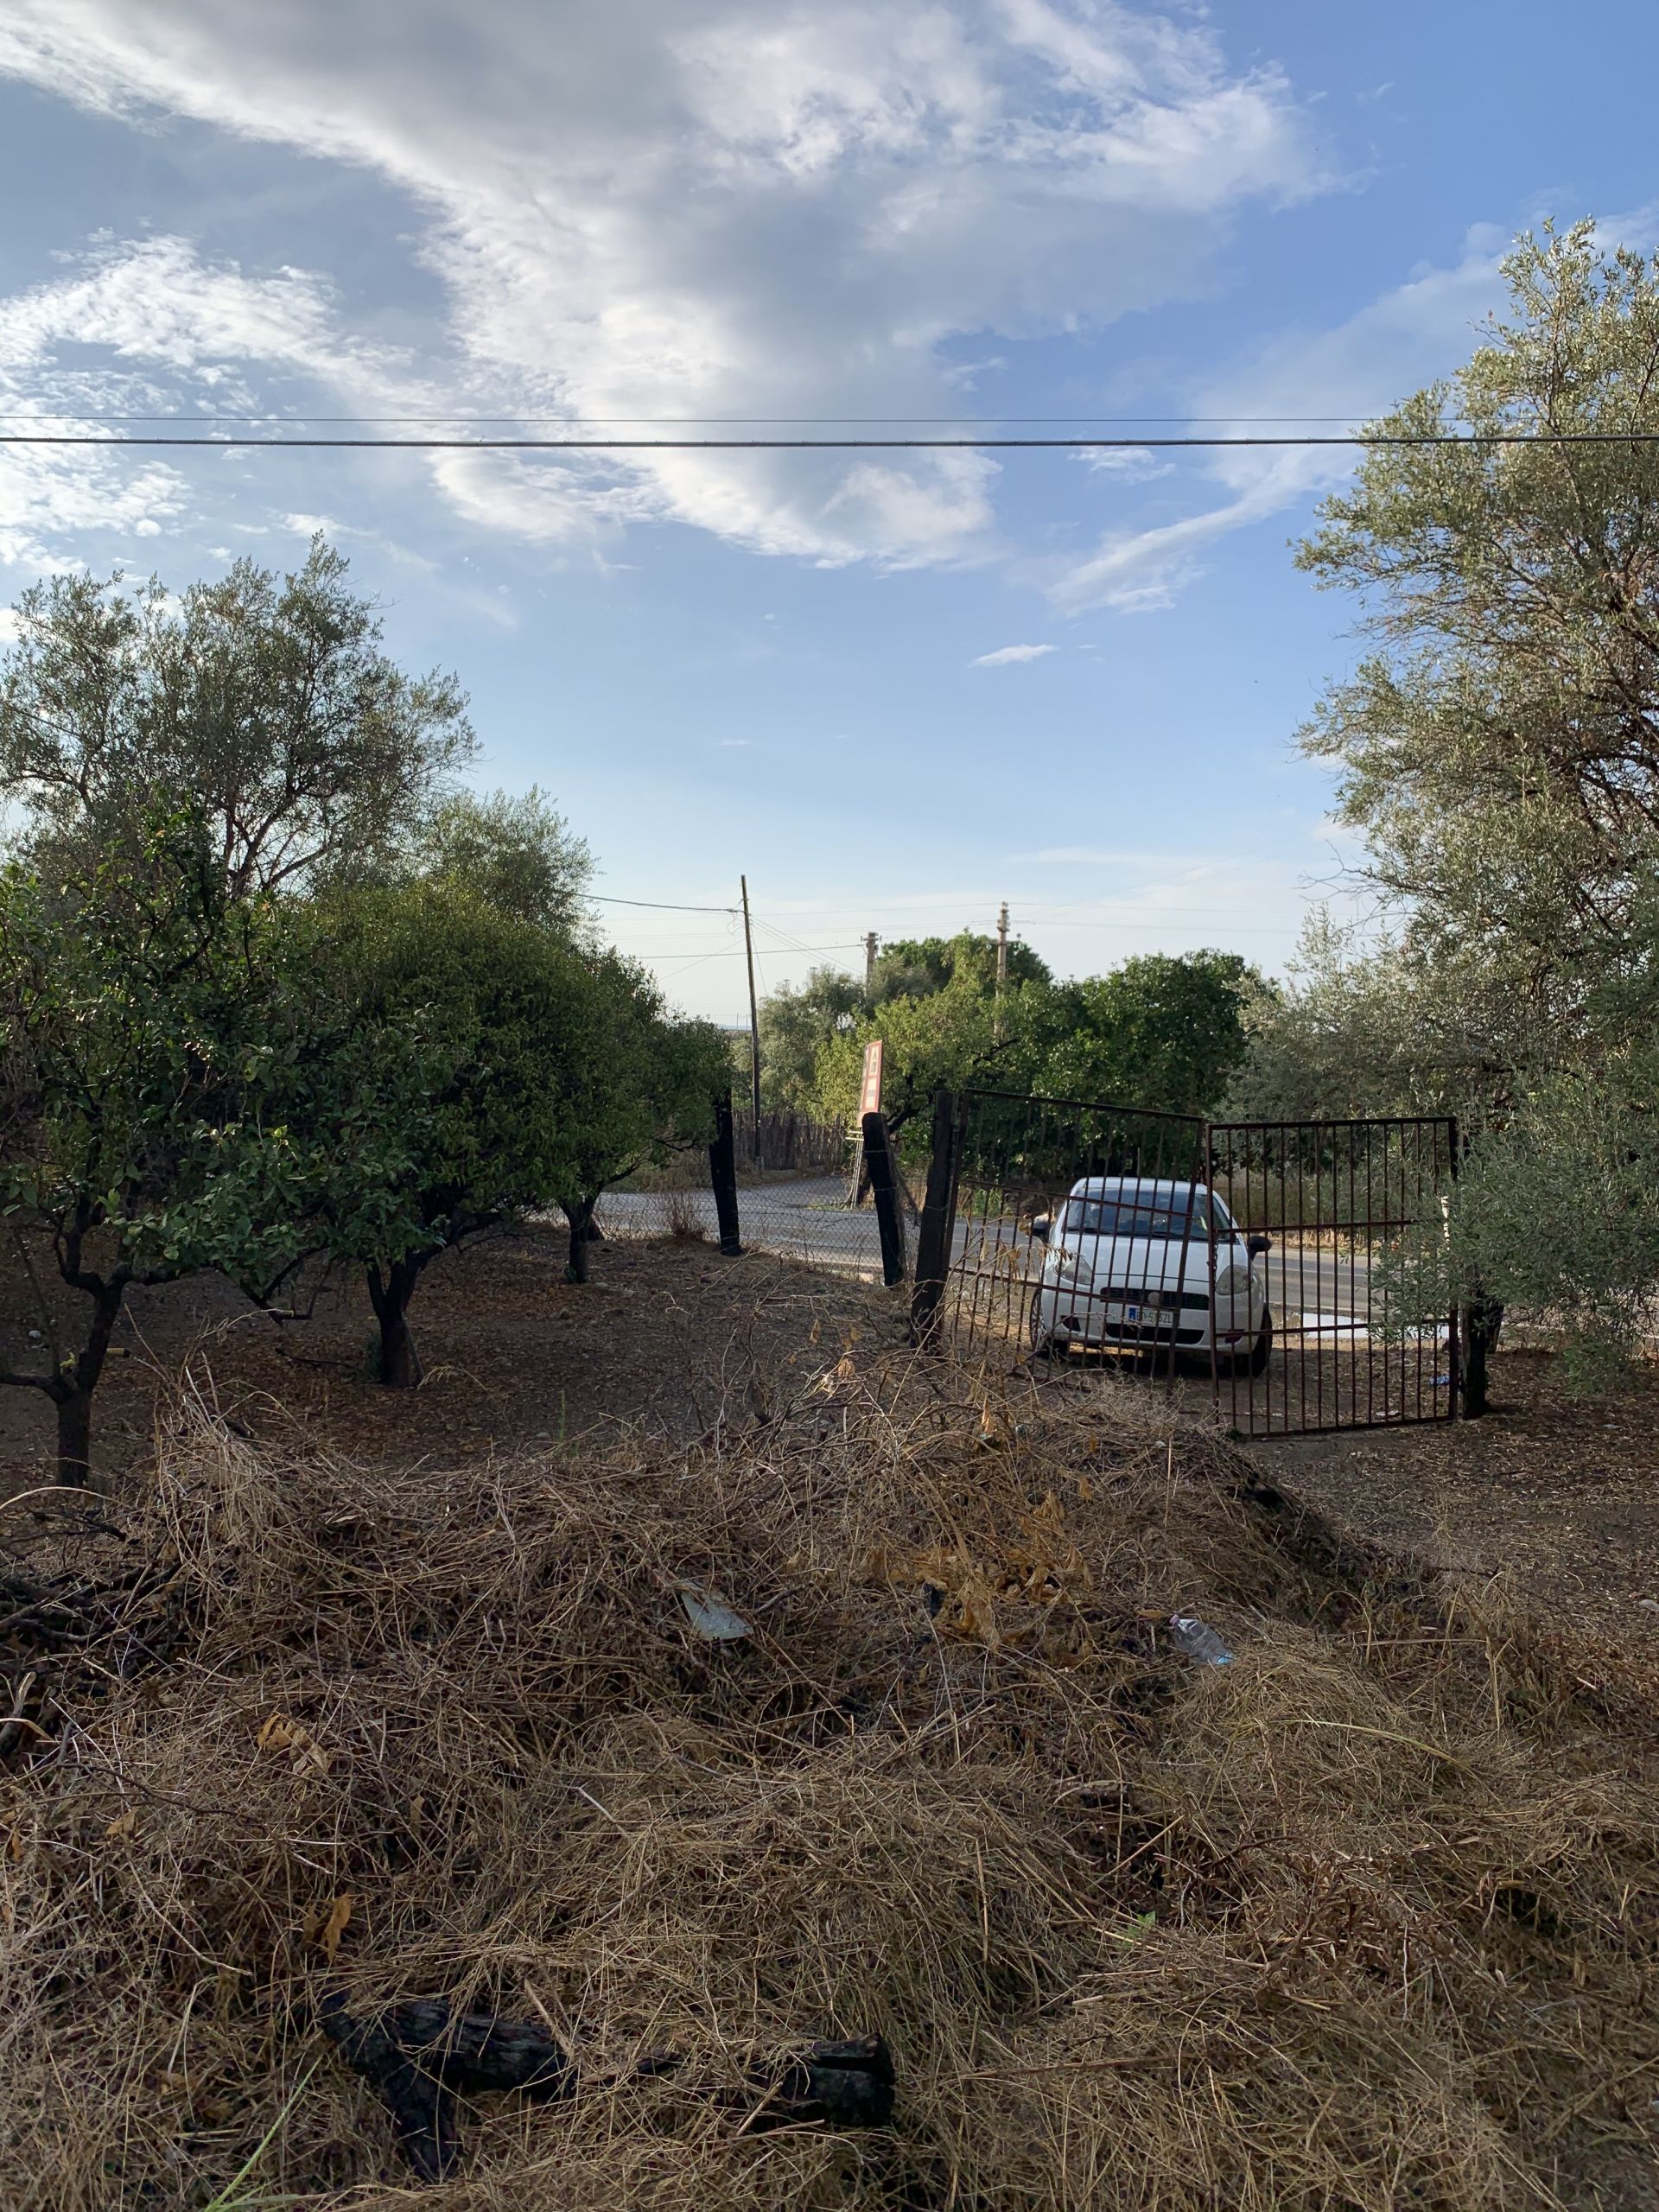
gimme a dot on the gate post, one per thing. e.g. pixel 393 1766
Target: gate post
pixel 722 1174
pixel 1210 1273
pixel 884 1189
pixel 933 1236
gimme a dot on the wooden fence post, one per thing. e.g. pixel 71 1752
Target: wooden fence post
pixel 722 1174
pixel 933 1237
pixel 884 1189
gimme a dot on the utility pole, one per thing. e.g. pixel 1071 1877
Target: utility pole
pixel 870 944
pixel 1001 967
pixel 754 1018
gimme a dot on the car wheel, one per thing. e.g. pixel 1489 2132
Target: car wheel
pixel 1262 1350
pixel 1042 1339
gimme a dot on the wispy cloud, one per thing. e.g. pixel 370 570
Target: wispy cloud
pixel 711 208
pixel 1005 655
pixel 1314 380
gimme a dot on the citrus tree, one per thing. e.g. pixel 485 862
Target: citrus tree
pixel 169 1071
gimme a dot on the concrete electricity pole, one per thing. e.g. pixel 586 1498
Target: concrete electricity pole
pixel 1002 967
pixel 870 944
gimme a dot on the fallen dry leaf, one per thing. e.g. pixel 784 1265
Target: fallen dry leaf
pixel 334 1927
pixel 306 1754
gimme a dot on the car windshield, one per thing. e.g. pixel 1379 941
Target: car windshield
pixel 1183 1216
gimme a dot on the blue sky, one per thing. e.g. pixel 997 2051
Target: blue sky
pixel 803 667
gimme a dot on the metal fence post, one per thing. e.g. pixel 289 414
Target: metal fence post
pixel 933 1237
pixel 884 1189
pixel 722 1174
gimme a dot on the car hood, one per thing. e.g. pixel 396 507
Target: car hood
pixel 1140 1262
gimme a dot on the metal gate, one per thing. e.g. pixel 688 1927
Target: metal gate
pixel 1293 1272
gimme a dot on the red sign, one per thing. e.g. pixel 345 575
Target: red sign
pixel 871 1101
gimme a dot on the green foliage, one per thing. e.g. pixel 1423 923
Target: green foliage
pixel 1378 1030
pixel 948 1037
pixel 269 699
pixel 915 967
pixel 518 855
pixel 1161 1031
pixel 1498 752
pixel 1164 1030
pixel 796 1027
pixel 179 1092
pixel 630 1079
pixel 492 1000
pixel 167 1064
pixel 1558 1214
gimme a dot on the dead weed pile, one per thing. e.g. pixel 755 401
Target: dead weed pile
pixel 1366 1918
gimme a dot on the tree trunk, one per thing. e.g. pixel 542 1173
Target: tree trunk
pixel 579 1214
pixel 75 1437
pixel 389 1294
pixel 1483 1318
pixel 77 1379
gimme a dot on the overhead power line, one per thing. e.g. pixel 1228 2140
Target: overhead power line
pixel 573 421
pixel 663 905
pixel 235 441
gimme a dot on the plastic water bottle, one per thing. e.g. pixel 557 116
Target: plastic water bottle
pixel 1190 1635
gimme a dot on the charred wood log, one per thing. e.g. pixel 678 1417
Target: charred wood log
pixel 422 2108
pixel 418 2056
pixel 838 2084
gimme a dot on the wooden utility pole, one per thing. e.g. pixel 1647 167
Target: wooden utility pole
pixel 754 1018
pixel 870 943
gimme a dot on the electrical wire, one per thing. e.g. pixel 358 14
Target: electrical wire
pixel 1363 439
pixel 663 905
pixel 509 415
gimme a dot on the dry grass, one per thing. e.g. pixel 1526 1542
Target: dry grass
pixel 1365 1920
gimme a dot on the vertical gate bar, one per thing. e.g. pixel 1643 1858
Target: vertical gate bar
pixel 1210 1273
pixel 1301 1279
pixel 1417 1206
pixel 1453 1338
pixel 1356 1139
pixel 1370 1254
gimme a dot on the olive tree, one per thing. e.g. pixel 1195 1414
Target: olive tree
pixel 1498 747
pixel 267 699
pixel 516 853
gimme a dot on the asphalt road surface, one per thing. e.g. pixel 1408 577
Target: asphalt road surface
pixel 810 1220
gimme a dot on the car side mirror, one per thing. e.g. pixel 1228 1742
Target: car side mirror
pixel 1039 1226
pixel 1258 1243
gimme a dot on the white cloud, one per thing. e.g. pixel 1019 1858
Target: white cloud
pixel 1301 381
pixel 152 313
pixel 1005 654
pixel 706 208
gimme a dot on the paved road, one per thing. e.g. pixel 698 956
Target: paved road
pixel 810 1220
pixel 804 1220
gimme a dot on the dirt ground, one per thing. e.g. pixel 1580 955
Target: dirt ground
pixel 666 1334
pixel 1561 1498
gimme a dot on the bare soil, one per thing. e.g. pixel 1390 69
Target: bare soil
pixel 666 1334
pixel 1560 1499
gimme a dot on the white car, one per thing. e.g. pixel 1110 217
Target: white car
pixel 1127 1268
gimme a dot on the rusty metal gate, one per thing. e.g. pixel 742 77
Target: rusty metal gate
pixel 1294 1272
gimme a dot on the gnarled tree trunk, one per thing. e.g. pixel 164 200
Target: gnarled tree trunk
pixel 74 1383
pixel 390 1292
pixel 579 1212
